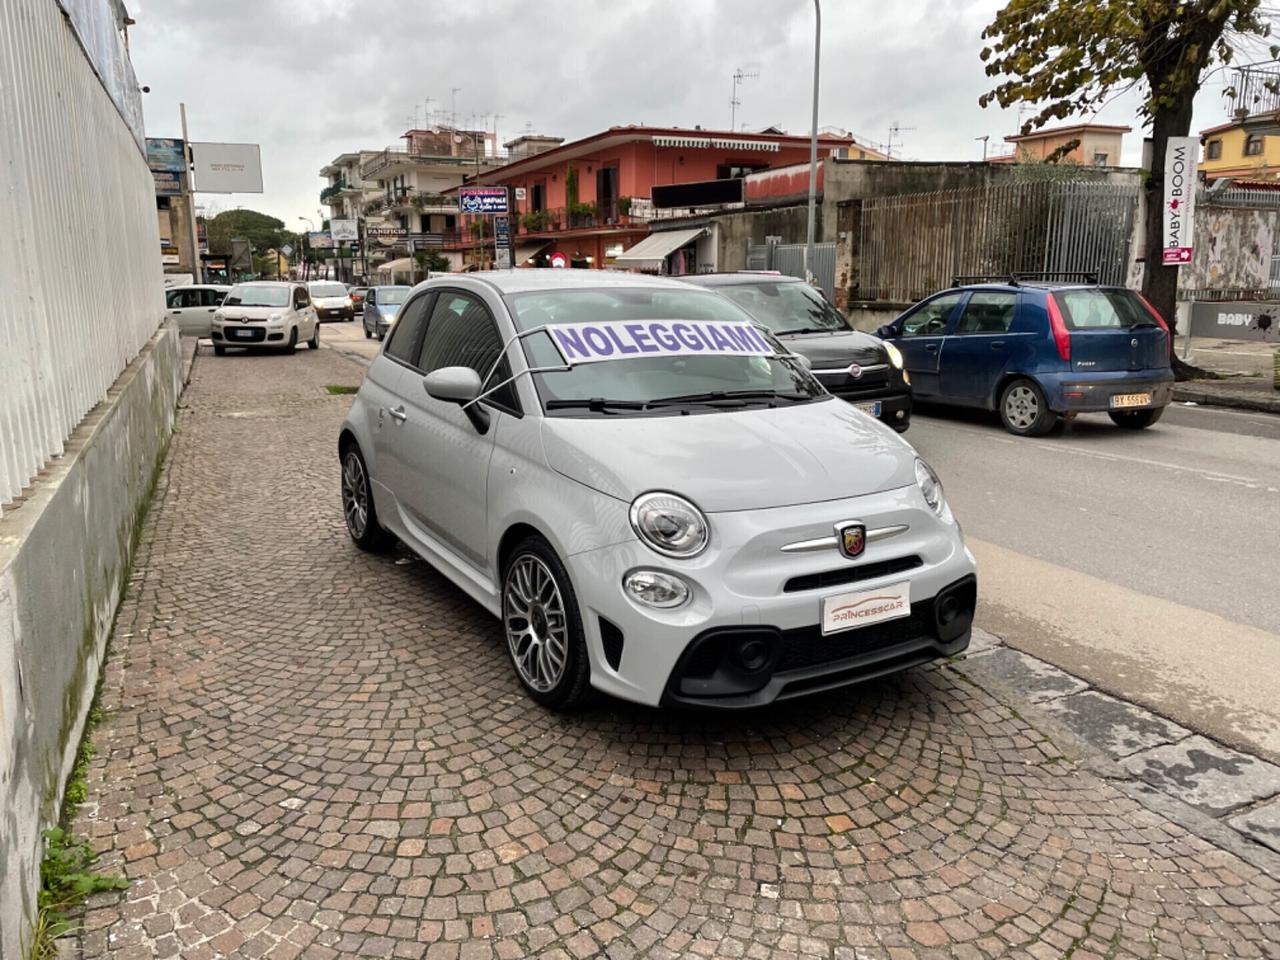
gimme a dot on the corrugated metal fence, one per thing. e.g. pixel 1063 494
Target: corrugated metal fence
pixel 80 276
pixel 914 244
pixel 788 258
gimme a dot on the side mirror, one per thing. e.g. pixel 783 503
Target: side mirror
pixel 805 361
pixel 885 332
pixel 460 385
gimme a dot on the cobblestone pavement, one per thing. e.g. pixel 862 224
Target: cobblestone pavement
pixel 313 752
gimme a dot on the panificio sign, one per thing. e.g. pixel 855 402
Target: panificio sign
pixel 482 199
pixel 1179 199
pixel 621 339
pixel 226 167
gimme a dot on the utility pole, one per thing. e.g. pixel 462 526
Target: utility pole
pixel 984 145
pixel 813 144
pixel 734 103
pixel 196 266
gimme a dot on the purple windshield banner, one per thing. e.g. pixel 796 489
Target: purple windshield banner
pixel 629 339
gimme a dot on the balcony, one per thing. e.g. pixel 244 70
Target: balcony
pixel 1255 91
pixel 583 216
pixel 394 161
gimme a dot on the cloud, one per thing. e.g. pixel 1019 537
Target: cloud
pixel 309 79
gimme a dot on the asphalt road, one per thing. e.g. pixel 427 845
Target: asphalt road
pixel 1147 563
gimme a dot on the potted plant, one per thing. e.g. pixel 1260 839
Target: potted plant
pixel 624 206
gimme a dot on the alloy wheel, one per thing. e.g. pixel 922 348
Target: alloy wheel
pixel 1021 407
pixel 537 629
pixel 355 495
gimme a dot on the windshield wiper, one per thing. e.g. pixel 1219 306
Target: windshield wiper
pixel 737 397
pixel 594 404
pixel 783 333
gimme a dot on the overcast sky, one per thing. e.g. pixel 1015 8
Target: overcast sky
pixel 309 79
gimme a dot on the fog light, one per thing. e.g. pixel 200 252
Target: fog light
pixel 656 589
pixel 753 654
pixel 901 414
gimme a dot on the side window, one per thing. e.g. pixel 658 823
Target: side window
pixel 989 312
pixel 930 320
pixel 301 298
pixel 371 296
pixel 173 299
pixel 211 297
pixel 462 333
pixel 403 342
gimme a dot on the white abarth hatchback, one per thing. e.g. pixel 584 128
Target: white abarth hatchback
pixel 650 493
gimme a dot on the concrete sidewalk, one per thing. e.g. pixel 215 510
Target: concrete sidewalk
pixel 1247 366
pixel 313 752
pixel 1242 393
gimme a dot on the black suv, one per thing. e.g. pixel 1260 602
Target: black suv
pixel 854 366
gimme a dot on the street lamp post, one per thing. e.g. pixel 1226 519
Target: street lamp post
pixel 813 145
pixel 306 267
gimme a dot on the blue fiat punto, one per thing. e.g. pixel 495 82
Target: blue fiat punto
pixel 1037 350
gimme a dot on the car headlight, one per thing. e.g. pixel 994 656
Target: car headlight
pixel 895 355
pixel 931 489
pixel 217 316
pixel 670 524
pixel 654 588
pixel 276 317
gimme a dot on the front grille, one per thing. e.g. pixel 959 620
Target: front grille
pixel 843 385
pixel 808 647
pixel 863 571
pixel 245 334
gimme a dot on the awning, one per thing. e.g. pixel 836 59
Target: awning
pixel 527 251
pixel 658 246
pixel 403 265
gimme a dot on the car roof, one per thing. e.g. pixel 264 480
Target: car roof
pixel 738 278
pixel 529 279
pixel 199 286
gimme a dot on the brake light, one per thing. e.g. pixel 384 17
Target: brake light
pixel 1154 312
pixel 1061 335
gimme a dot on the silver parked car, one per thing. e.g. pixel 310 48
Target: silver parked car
pixel 650 493
pixel 380 307
pixel 192 306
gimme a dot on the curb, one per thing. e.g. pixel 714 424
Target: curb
pixel 1259 404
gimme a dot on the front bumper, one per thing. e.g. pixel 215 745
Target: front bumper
pixel 744 584
pixel 336 313
pixel 249 334
pixel 1092 392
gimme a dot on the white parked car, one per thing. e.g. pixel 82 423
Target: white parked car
pixel 192 306
pixel 265 313
pixel 332 300
pixel 654 497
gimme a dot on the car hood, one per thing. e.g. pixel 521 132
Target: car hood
pixel 237 312
pixel 387 309
pixel 733 460
pixel 840 347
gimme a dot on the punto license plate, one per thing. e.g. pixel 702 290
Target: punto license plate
pixel 239 332
pixel 871 409
pixel 1122 400
pixel 861 608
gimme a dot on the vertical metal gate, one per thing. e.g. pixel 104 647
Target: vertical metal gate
pixel 788 258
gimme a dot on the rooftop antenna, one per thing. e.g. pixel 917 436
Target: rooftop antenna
pixel 426 112
pixel 895 129
pixel 453 113
pixel 734 103
pixel 984 140
pixel 496 118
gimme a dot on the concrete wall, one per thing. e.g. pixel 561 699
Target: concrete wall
pixel 733 230
pixel 64 553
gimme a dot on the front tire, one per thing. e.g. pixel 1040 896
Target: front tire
pixel 1024 411
pixel 357 504
pixel 367 334
pixel 1136 419
pixel 540 616
pixel 314 342
pixel 293 341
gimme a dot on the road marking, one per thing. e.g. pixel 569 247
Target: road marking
pixel 1217 475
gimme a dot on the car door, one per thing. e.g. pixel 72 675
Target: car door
pixel 919 335
pixel 369 312
pixel 210 299
pixel 393 373
pixel 306 315
pixel 444 487
pixel 185 309
pixel 978 347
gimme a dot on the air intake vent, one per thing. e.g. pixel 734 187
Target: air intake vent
pixel 611 638
pixel 865 571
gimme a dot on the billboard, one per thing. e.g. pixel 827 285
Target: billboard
pixel 344 230
pixel 319 240
pixel 1180 180
pixel 169 183
pixel 226 167
pixel 166 154
pixel 482 199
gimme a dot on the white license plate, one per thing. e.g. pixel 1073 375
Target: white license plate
pixel 861 608
pixel 240 333
pixel 1122 400
pixel 871 409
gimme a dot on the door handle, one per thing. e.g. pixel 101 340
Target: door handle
pixel 176 312
pixel 997 344
pixel 931 348
pixel 398 414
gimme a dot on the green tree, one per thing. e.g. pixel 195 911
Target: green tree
pixel 432 260
pixel 263 231
pixel 1071 56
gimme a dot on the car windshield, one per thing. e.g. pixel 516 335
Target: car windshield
pixel 667 382
pixel 257 295
pixel 328 290
pixel 786 307
pixel 1097 309
pixel 392 295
